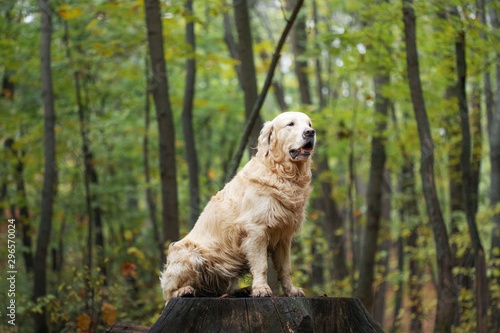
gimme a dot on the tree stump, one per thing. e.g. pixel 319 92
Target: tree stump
pixel 127 328
pixel 269 314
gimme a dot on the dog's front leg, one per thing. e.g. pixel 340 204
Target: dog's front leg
pixel 255 249
pixel 282 263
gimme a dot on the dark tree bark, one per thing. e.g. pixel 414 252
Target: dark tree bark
pixel 298 39
pixel 320 86
pixel 446 291
pixel 248 72
pixel 398 295
pixel 232 45
pixel 333 225
pixel 187 119
pixel 50 167
pixel 465 260
pixel 410 212
pixel 265 314
pixel 170 214
pixel 374 196
pixel 382 265
pixel 150 193
pixel 23 220
pixel 470 191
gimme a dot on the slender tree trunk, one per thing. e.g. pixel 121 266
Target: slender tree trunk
pixel 320 86
pixel 398 295
pixel 231 45
pixel 462 258
pixel 248 72
pixel 187 119
pixel 50 167
pixel 334 224
pixel 374 197
pixel 447 293
pixel 352 196
pixel 23 220
pixel 410 211
pixel 160 89
pixel 298 39
pixel 150 193
pixel 382 264
pixel 470 191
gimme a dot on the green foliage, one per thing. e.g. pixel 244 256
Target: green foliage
pixel 352 41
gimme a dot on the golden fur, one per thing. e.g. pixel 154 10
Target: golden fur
pixel 258 212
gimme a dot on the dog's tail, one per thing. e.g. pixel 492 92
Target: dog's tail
pixel 182 269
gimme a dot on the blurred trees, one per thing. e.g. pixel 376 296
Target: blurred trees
pixel 374 228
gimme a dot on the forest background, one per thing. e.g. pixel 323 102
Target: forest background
pixel 120 119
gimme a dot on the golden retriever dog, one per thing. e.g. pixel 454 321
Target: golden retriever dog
pixel 257 213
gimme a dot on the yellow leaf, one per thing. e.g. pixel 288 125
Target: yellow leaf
pixel 108 313
pixel 68 13
pixel 211 174
pixel 91 24
pixel 406 233
pixel 83 322
pixel 128 235
pixel 136 252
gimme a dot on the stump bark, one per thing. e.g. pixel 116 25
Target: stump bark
pixel 270 314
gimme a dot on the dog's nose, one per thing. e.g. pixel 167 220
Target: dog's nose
pixel 308 133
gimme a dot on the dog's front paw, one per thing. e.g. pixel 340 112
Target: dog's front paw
pixel 187 291
pixel 295 292
pixel 263 291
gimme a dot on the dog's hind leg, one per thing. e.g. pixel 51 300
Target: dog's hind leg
pixel 180 276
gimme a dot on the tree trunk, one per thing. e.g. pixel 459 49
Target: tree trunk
pixel 333 225
pixel 50 167
pixel 266 314
pixel 187 119
pixel 320 86
pixel 374 196
pixel 231 45
pixel 383 263
pixel 409 212
pixel 170 214
pixel 470 200
pixel 23 220
pixel 150 193
pixel 248 73
pixel 447 293
pixel 298 39
pixel 398 295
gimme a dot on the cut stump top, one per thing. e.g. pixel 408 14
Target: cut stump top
pixel 269 314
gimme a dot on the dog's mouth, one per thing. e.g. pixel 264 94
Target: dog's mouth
pixel 303 152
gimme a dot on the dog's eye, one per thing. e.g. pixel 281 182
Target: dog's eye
pixel 290 124
pixel 310 125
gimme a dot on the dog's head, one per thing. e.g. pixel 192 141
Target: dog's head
pixel 289 136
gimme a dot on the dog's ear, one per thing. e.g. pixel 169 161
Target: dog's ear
pixel 265 138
